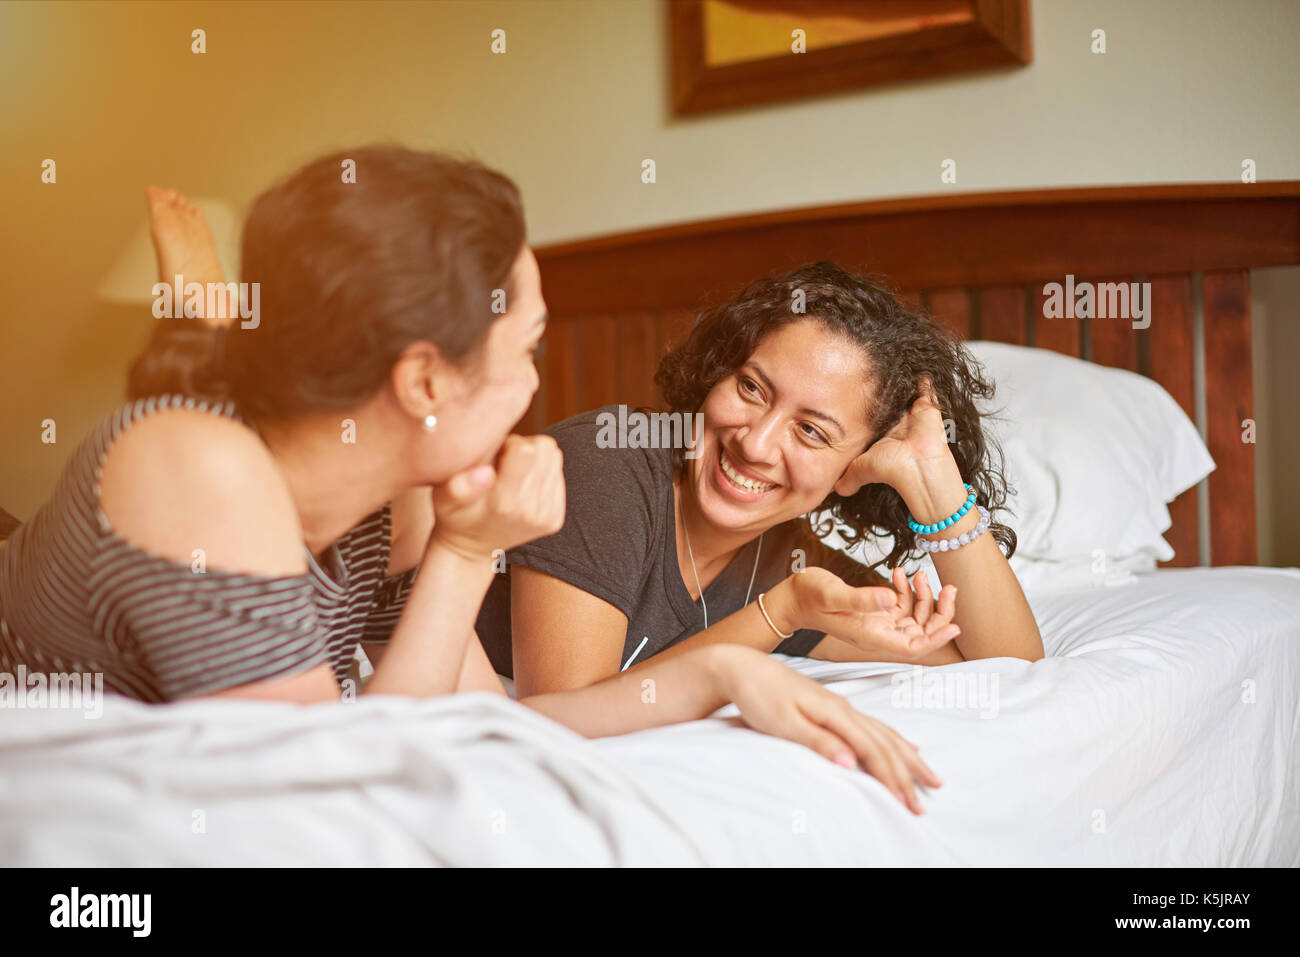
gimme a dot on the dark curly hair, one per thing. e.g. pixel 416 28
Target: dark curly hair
pixel 901 345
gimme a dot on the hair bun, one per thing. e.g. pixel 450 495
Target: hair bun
pixel 183 356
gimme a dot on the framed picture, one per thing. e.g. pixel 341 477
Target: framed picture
pixel 735 53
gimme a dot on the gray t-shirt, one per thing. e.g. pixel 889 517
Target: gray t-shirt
pixel 619 543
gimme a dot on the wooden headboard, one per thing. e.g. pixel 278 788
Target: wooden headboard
pixel 979 263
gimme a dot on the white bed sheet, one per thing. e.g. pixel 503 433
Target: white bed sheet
pixel 1162 730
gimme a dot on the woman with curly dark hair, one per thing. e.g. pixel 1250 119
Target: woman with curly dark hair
pixel 818 394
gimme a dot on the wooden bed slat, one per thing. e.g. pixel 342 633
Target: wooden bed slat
pixel 561 369
pixel 1002 315
pixel 1114 340
pixel 1225 298
pixel 952 308
pixel 597 374
pixel 638 357
pixel 1058 333
pixel 537 417
pixel 911 299
pixel 1171 363
pixel 673 326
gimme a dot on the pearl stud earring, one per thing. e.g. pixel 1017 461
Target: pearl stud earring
pixel 430 422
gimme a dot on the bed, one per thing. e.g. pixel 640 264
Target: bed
pixel 1133 744
pixel 1161 730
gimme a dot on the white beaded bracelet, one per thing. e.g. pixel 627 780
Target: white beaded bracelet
pixel 965 538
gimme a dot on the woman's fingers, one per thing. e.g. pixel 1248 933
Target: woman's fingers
pixel 879 749
pixel 924 598
pixel 917 642
pixel 781 702
pixel 817 738
pixel 518 499
pixel 552 495
pixel 882 759
pixel 882 618
pixel 922 606
pixel 935 616
pixel 532 481
pixel 945 634
pixel 902 638
pixel 836 597
pixel 904 591
pixel 905 751
pixel 920 769
pixel 947 605
pixel 944 610
pixel 937 632
pixel 873 600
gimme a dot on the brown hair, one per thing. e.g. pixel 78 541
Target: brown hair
pixel 349 274
pixel 901 345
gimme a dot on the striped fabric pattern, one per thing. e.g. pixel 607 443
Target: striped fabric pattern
pixel 75 597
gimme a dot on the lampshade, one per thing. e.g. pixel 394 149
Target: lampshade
pixel 135 270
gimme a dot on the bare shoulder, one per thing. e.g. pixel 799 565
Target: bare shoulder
pixel 181 480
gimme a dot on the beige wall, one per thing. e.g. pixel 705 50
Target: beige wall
pixel 113 93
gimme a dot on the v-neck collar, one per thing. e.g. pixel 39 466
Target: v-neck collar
pixel 691 612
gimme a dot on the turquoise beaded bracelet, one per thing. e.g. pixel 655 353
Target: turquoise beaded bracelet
pixel 951 520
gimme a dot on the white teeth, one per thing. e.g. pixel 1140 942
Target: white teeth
pixel 739 480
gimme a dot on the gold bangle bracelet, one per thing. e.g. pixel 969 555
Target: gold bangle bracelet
pixel 768 618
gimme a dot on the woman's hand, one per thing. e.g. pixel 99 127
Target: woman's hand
pixel 877 619
pixel 917 443
pixel 779 701
pixel 921 607
pixel 485 508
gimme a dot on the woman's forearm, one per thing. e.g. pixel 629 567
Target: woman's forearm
pixel 690 685
pixel 427 651
pixel 476 671
pixel 992 611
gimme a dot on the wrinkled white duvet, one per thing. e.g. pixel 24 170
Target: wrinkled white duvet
pixel 1161 731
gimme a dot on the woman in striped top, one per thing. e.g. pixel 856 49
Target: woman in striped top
pixel 337 468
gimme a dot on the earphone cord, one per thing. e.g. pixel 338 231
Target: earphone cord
pixel 698 587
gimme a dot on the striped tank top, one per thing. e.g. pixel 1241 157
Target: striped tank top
pixel 76 598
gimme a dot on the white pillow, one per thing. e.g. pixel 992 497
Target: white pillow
pixel 1095 454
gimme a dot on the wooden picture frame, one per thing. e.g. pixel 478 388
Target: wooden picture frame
pixel 949 36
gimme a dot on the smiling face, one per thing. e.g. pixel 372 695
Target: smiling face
pixel 780 430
